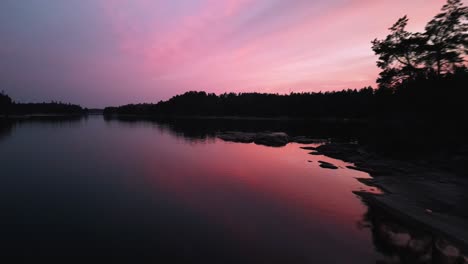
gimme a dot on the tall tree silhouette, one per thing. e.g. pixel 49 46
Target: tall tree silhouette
pixel 441 49
pixel 446 38
pixel 399 54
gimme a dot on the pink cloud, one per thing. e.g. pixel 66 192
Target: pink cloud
pixel 149 50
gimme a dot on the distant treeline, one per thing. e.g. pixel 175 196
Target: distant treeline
pixel 9 107
pixel 5 103
pixel 436 96
pixel 424 75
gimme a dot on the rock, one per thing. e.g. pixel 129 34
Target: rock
pixel 274 139
pixel 444 252
pixel 393 237
pixel 353 168
pixel 241 137
pixel 359 168
pixel 420 245
pixel 413 192
pixel 399 239
pixel 306 140
pixel 344 151
pixel 327 165
pixel 309 148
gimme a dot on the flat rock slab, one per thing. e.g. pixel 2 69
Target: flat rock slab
pixel 448 226
pixel 427 196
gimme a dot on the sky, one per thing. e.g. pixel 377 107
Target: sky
pixel 112 52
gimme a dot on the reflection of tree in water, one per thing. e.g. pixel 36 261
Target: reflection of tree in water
pixel 201 129
pixel 400 243
pixel 6 128
pixel 7 125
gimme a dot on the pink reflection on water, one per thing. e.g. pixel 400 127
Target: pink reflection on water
pixel 255 192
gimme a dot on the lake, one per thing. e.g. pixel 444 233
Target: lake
pixel 151 190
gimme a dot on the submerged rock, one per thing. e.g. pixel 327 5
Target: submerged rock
pixel 421 245
pixel 446 253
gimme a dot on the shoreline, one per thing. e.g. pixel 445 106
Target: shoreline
pixel 39 116
pixel 227 117
pixel 420 195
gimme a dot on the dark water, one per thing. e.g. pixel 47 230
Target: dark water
pixel 146 190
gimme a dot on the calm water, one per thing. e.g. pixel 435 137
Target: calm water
pixel 144 190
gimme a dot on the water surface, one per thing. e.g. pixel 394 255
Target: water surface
pixel 144 190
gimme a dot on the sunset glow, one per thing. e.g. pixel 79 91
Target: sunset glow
pixel 102 52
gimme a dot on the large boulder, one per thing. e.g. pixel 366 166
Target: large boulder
pixel 273 139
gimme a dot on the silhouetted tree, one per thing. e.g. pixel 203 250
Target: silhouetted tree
pixel 399 54
pixel 405 56
pixel 446 38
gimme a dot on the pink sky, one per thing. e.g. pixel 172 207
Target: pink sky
pixel 103 52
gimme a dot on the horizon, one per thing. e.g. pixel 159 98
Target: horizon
pixel 97 53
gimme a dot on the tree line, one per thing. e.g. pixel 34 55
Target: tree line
pixel 423 75
pixel 256 104
pixel 9 107
pixel 441 97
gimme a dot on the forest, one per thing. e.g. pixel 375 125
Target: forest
pixel 444 96
pixel 10 107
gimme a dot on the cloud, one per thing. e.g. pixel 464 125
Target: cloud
pixel 147 50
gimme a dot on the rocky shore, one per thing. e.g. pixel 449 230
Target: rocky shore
pixel 272 139
pixel 420 194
